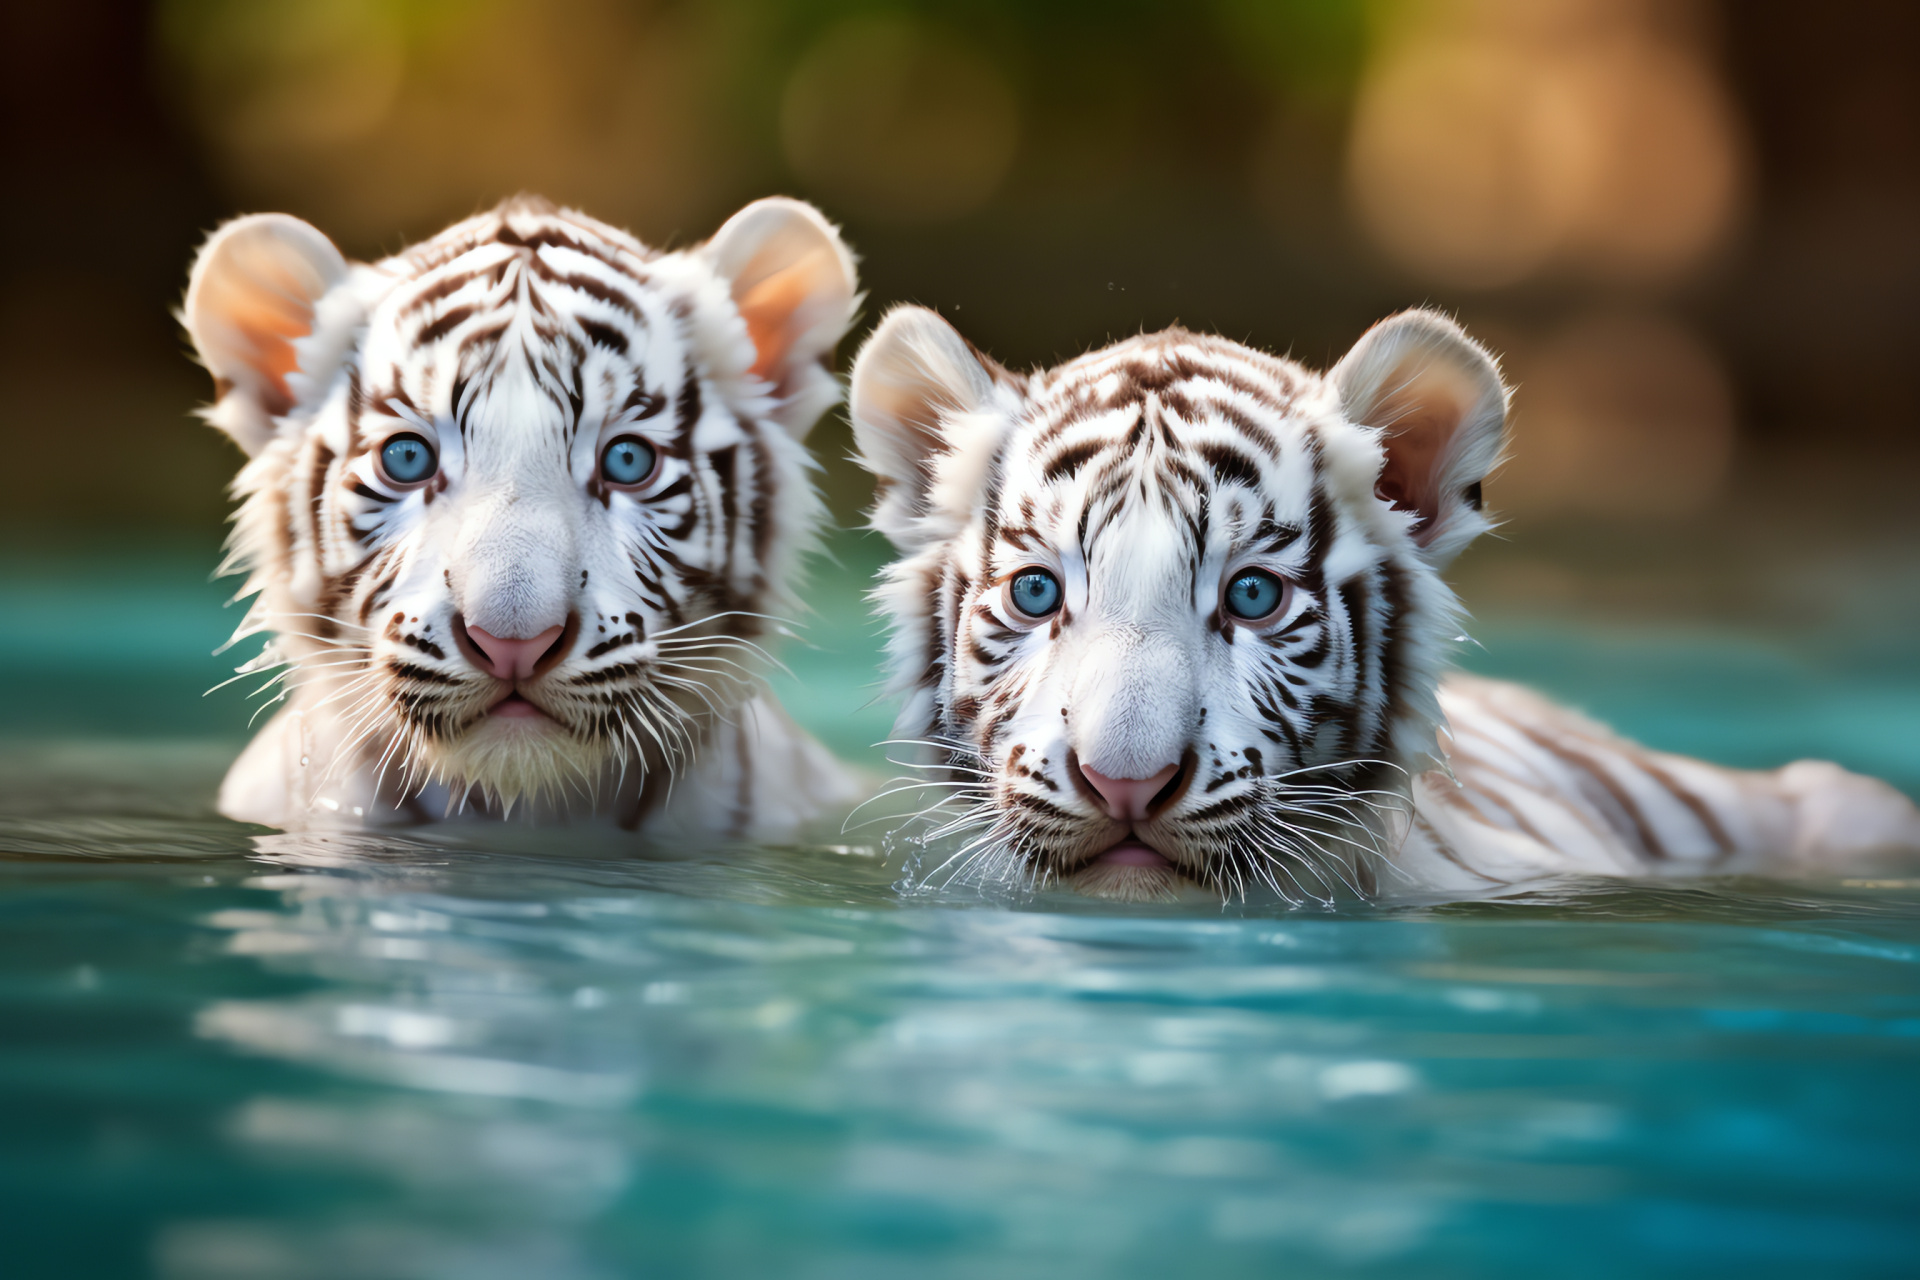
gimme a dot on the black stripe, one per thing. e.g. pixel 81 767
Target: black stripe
pixel 760 510
pixel 1394 642
pixel 599 290
pixel 446 324
pixel 725 464
pixel 317 492
pixel 1070 459
pixel 686 413
pixel 1354 602
pixel 432 293
pixel 604 335
pixel 424 675
pixel 1230 466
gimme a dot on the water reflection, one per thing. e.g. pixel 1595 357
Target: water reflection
pixel 597 1062
pixel 304 1056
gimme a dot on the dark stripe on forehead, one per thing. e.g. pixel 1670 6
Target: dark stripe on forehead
pixel 1174 467
pixel 1280 395
pixel 1175 402
pixel 604 335
pixel 1255 432
pixel 1196 362
pixel 1069 459
pixel 478 346
pixel 1145 374
pixel 446 324
pixel 598 289
pixel 1113 482
pixel 1230 466
pixel 441 288
pixel 558 235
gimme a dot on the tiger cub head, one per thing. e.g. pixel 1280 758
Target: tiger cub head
pixel 1172 612
pixel 520 497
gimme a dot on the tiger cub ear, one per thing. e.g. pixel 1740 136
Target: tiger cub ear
pixel 793 279
pixel 250 298
pixel 1437 399
pixel 914 382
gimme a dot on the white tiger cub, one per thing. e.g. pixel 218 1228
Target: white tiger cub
pixel 521 500
pixel 1172 613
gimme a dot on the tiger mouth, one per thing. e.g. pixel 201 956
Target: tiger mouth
pixel 1131 852
pixel 517 706
pixel 1130 870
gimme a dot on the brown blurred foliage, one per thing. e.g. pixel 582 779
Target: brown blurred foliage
pixel 1688 226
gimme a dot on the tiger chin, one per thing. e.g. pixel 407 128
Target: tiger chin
pixel 521 507
pixel 1170 618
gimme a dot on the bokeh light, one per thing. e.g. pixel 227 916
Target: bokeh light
pixel 1618 415
pixel 899 120
pixel 1494 138
pixel 1050 176
pixel 372 117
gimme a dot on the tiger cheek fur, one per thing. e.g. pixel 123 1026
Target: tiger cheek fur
pixel 522 499
pixel 1142 734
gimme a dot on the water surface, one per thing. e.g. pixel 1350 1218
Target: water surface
pixel 234 1053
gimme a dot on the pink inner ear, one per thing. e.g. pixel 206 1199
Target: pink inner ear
pixel 1416 446
pixel 272 328
pixel 265 317
pixel 772 309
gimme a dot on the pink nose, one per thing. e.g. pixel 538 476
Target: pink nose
pixel 1127 798
pixel 509 659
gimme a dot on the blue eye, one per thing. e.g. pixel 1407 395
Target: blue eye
pixel 407 459
pixel 1255 594
pixel 1035 592
pixel 628 460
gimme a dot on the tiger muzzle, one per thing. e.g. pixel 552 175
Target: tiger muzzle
pixel 515 660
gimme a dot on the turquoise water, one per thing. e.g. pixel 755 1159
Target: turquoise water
pixel 232 1053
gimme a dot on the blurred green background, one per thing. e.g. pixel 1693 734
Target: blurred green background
pixel 1689 227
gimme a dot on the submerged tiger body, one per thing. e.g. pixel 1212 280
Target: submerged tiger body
pixel 1172 613
pixel 522 502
